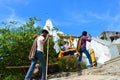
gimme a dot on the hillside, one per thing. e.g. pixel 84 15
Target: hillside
pixel 109 71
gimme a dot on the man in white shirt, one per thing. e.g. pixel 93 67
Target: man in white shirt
pixel 39 55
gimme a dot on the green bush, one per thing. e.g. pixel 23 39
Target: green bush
pixel 15 44
pixel 14 77
pixel 69 64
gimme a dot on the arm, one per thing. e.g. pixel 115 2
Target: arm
pixel 88 39
pixel 44 40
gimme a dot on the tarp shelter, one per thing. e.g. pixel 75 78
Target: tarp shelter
pixel 104 50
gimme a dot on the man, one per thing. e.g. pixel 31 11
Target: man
pixel 82 48
pixel 36 53
pixel 66 45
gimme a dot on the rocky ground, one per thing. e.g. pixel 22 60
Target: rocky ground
pixel 109 71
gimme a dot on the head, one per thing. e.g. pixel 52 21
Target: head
pixel 45 32
pixel 116 32
pixel 66 43
pixel 84 33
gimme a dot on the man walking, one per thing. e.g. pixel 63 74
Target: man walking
pixel 36 53
pixel 81 45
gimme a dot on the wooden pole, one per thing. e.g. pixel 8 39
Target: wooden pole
pixel 61 36
pixel 47 58
pixel 9 67
pixel 69 36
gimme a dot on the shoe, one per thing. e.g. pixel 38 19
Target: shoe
pixel 79 67
pixel 79 70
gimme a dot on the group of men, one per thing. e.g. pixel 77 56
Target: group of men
pixel 36 52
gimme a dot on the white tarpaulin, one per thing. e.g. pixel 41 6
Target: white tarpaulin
pixel 48 26
pixel 104 50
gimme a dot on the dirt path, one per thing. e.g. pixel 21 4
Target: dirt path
pixel 88 77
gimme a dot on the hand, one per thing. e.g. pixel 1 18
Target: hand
pixel 89 35
pixel 47 36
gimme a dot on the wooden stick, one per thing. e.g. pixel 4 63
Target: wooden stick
pixel 9 67
pixel 47 58
pixel 61 36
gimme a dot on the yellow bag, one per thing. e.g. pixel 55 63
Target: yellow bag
pixel 92 54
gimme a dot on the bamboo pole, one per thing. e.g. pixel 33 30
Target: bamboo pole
pixel 62 36
pixel 47 58
pixel 9 67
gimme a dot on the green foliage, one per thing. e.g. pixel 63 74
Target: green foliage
pixel 14 77
pixel 67 64
pixel 15 44
pixel 9 77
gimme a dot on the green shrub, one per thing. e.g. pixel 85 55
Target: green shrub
pixel 14 77
pixel 68 64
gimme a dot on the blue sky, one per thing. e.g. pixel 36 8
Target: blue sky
pixel 70 16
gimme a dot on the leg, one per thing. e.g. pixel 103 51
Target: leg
pixel 30 71
pixel 80 57
pixel 43 63
pixel 79 63
pixel 88 56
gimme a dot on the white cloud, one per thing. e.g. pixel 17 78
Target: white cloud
pixel 79 18
pixel 106 20
pixel 8 2
pixel 8 12
pixel 74 18
pixel 114 26
pixel 10 16
pixel 13 17
pixel 110 22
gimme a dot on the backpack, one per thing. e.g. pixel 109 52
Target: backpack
pixel 33 50
pixel 79 44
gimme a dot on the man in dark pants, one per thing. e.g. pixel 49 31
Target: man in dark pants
pixel 37 54
pixel 82 48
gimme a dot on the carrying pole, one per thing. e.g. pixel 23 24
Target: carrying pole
pixel 47 58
